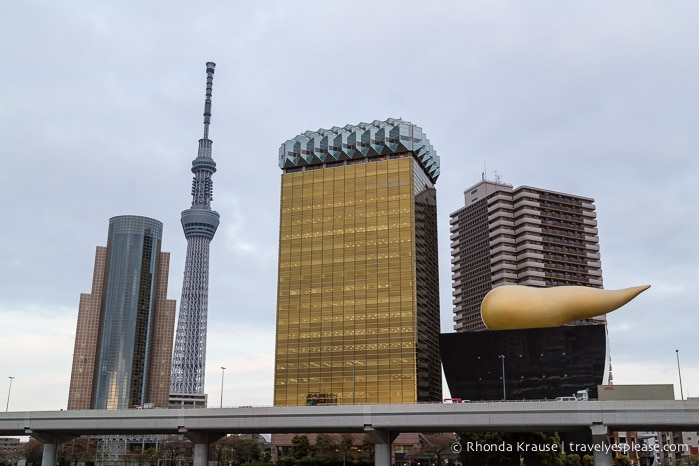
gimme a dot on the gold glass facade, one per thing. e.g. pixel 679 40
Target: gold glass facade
pixel 357 302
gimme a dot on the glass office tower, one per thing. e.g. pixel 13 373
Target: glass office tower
pixel 125 329
pixel 358 299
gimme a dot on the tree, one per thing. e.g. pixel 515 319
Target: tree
pixel 588 460
pixel 436 447
pixel 622 460
pixel 346 448
pixel 32 451
pixel 366 450
pixel 234 449
pixel 691 460
pixel 300 447
pixel 266 454
pixel 346 442
pixel 242 450
pixel 147 456
pixel 573 460
pixel 175 450
pixel 81 449
pixel 216 450
pixel 326 448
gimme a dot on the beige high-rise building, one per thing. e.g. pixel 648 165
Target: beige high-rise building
pixel 358 289
pixel 125 328
pixel 523 236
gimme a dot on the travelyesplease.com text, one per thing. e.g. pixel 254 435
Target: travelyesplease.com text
pixel 625 448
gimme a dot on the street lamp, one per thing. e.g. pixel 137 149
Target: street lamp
pixel 9 390
pixel 223 371
pixel 504 396
pixel 677 352
pixel 354 381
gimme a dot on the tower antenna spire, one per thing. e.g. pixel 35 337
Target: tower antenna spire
pixel 207 102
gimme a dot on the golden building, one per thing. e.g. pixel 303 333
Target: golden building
pixel 358 294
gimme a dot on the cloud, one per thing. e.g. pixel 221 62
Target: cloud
pixel 103 109
pixel 41 342
pixel 247 353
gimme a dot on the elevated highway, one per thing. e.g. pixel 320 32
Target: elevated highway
pixel 381 422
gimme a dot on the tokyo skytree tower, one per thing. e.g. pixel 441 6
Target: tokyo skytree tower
pixel 199 223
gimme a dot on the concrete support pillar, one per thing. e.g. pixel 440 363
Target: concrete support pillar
pixel 49 456
pixel 51 442
pixel 201 454
pixel 201 441
pixel 382 444
pixel 600 437
pixel 382 454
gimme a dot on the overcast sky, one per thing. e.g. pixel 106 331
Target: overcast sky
pixel 100 113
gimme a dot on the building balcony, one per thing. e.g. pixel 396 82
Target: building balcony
pixel 528 217
pixel 528 280
pixel 534 248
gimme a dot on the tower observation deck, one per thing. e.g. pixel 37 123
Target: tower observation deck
pixel 199 223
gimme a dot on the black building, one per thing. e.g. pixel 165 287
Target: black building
pixel 542 363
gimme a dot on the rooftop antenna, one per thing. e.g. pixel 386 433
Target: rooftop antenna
pixel 207 102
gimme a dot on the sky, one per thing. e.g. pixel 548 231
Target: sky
pixel 101 109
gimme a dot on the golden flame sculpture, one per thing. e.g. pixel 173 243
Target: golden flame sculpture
pixel 512 307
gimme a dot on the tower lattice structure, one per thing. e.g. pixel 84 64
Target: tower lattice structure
pixel 199 224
